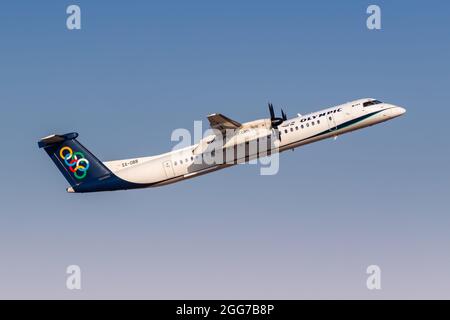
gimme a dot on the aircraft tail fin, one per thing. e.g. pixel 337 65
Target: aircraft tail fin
pixel 77 164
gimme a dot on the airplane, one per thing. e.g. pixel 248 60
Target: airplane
pixel 230 139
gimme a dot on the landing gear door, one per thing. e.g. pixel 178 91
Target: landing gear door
pixel 331 122
pixel 168 169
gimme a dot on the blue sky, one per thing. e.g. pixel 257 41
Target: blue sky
pixel 136 71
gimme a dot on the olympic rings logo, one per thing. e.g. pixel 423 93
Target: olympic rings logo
pixel 76 162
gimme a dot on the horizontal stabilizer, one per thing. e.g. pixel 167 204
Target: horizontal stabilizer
pixel 56 139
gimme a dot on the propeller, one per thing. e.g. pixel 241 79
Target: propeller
pixel 276 121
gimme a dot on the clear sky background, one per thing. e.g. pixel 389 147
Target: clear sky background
pixel 139 69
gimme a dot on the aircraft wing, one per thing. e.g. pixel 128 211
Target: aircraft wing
pixel 220 122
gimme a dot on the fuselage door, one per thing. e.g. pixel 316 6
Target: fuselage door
pixel 168 169
pixel 331 122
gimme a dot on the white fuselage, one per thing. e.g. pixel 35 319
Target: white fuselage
pixel 182 164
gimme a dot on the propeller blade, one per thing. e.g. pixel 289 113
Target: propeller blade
pixel 275 121
pixel 272 113
pixel 283 115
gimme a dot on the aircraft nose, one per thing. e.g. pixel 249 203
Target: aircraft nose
pixel 397 111
pixel 401 110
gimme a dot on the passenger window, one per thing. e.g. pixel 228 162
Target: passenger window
pixel 292 129
pixel 312 123
pixel 296 128
pixel 302 126
pixel 307 124
pixel 285 131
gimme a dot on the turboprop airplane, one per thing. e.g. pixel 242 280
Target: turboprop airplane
pixel 231 143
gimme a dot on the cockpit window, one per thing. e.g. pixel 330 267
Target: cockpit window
pixel 371 103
